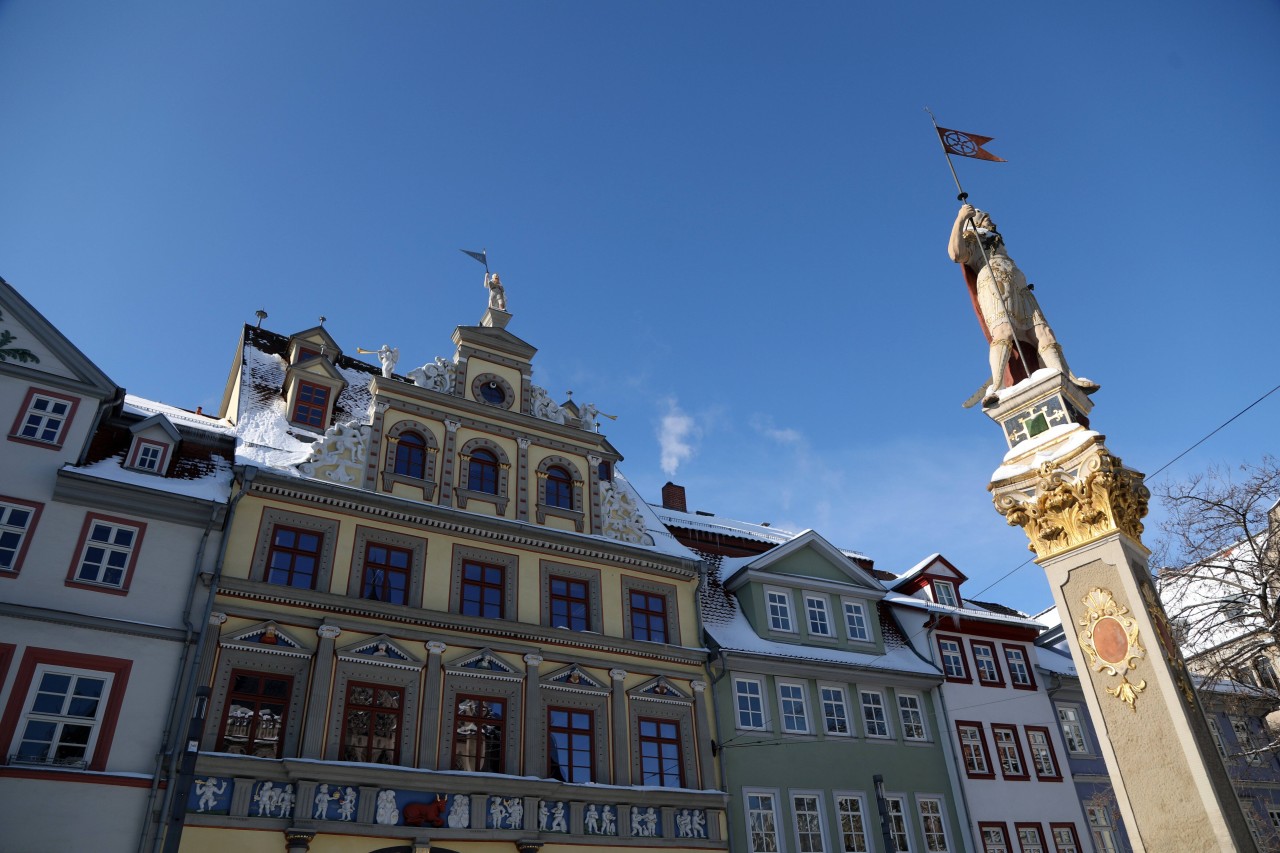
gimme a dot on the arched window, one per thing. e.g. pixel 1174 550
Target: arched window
pixel 559 488
pixel 482 472
pixel 411 455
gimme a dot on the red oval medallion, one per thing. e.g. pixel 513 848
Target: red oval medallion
pixel 1110 640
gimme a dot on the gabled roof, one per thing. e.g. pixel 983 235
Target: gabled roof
pixel 809 540
pixel 492 338
pixel 157 420
pixel 935 565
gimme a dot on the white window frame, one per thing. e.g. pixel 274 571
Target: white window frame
pixel 818 615
pixel 789 693
pixel 979 749
pixel 856 620
pixel 1244 737
pixel 904 712
pixel 1022 845
pixel 1022 666
pixel 50 414
pixel 938 587
pixel 901 840
pixel 986 677
pixel 1073 844
pixel 7 527
pixel 941 814
pixel 834 696
pixel 1073 729
pixel 1274 816
pixel 963 672
pixel 1102 830
pixel 814 798
pixel 61 719
pixel 1044 750
pixel 842 843
pixel 778 608
pixel 757 696
pixel 884 713
pixel 109 547
pixel 767 810
pixel 1009 749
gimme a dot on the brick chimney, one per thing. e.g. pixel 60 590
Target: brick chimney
pixel 673 497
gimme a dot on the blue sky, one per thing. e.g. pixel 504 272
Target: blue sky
pixel 723 222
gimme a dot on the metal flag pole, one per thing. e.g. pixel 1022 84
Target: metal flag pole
pixel 482 256
pixel 963 197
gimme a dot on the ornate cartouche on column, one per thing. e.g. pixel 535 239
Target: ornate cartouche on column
pixel 1082 511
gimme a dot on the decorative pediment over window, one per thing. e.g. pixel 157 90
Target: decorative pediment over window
pixel 266 637
pixel 573 677
pixel 659 689
pixel 484 664
pixel 316 341
pixel 310 389
pixel 379 651
pixel 937 576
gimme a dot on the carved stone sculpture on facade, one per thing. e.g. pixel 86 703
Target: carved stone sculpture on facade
pixel 589 416
pixel 623 519
pixel 340 455
pixel 435 375
pixel 387 357
pixel 387 813
pixel 542 406
pixel 460 813
pixel 208 791
pixel 1021 340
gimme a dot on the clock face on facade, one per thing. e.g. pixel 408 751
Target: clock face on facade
pixel 492 393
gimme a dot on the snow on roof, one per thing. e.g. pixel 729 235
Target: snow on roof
pixel 918 568
pixel 182 418
pixel 663 541
pixel 1048 617
pixel 972 610
pixel 736 634
pixel 1053 660
pixel 215 486
pixel 733 527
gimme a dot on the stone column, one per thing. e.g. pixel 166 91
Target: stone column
pixel 1082 509
pixel 209 648
pixel 532 717
pixel 705 769
pixel 621 725
pixel 297 840
pixel 318 696
pixel 522 480
pixel 429 734
pixel 450 463
pixel 592 501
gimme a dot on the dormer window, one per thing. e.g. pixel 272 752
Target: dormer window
pixel 154 440
pixel 311 407
pixel 944 593
pixel 148 456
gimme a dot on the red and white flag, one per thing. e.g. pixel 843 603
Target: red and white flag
pixel 967 144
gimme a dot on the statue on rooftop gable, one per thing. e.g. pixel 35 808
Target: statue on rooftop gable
pixel 587 417
pixel 497 295
pixel 1021 339
pixel 387 357
pixel 435 375
pixel 542 406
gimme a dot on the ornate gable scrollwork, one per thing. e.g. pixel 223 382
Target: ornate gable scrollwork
pixel 573 677
pixel 484 664
pixel 623 519
pixel 340 455
pixel 1065 508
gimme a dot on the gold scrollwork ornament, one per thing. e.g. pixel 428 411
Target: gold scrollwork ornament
pixel 1109 636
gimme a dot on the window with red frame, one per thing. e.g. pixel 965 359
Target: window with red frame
pixel 1009 752
pixel 1030 838
pixel 482 472
pixel 17 521
pixel 648 616
pixel 1019 671
pixel 108 553
pixel 1043 758
pixel 371 723
pixel 570 603
pixel 1065 839
pixel 483 590
pixel 995 838
pixel 411 455
pixel 953 662
pixel 570 744
pixel 661 763
pixel 149 456
pixel 386 573
pixel 294 557
pixel 256 711
pixel 478 723
pixel 973 750
pixel 44 419
pixel 944 592
pixel 984 661
pixel 558 488
pixel 311 408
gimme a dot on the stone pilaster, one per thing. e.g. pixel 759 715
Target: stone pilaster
pixel 318 696
pixel 209 648
pixel 705 769
pixel 621 725
pixel 429 732
pixel 448 467
pixel 532 716
pixel 592 497
pixel 522 480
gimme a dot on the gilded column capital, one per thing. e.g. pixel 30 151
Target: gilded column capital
pixel 1067 501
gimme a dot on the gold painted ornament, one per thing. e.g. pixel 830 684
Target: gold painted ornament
pixel 1109 636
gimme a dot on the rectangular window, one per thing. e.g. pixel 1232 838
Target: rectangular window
pixel 570 603
pixel 372 723
pixel 779 610
pixel 874 717
pixel 43 418
pixel 1274 815
pixel 995 839
pixel 108 553
pixel 944 592
pixel 898 824
pixel 984 661
pixel 386 573
pixel 911 712
pixel 932 825
pixel 1216 733
pixel 791 702
pixel 648 616
pixel 294 557
pixel 855 621
pixel 254 721
pixel 1073 730
pixel 1030 838
pixel 17 521
pixel 762 823
pixel 1009 752
pixel 1100 826
pixel 62 719
pixel 835 712
pixel 1019 670
pixel 953 663
pixel 312 405
pixel 570 734
pixel 1042 757
pixel 661 762
pixel 749 698
pixel 483 590
pixel 148 455
pixel 478 725
pixel 819 619
pixel 853 827
pixel 1244 739
pixel 808 815
pixel 973 748
pixel 1065 839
